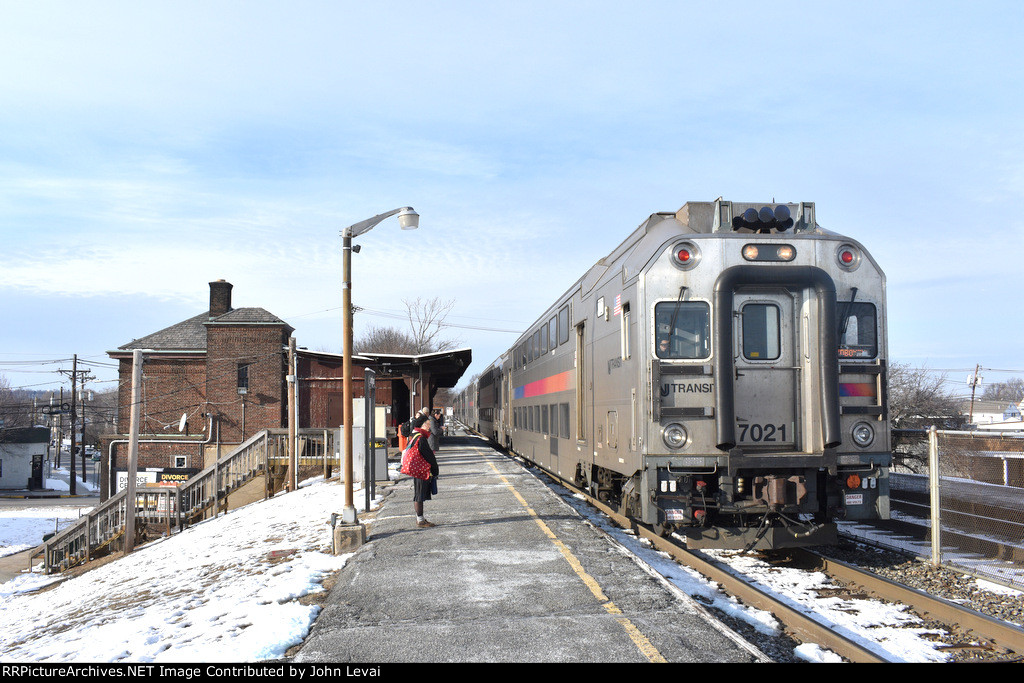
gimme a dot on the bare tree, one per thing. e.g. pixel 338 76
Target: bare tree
pixel 426 319
pixel 385 340
pixel 919 398
pixel 1011 391
pixel 15 408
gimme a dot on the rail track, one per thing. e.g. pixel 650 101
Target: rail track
pixel 1005 640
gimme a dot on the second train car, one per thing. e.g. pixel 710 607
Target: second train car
pixel 721 374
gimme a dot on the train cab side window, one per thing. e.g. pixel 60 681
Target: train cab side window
pixel 682 329
pixel 858 330
pixel 624 331
pixel 563 325
pixel 761 340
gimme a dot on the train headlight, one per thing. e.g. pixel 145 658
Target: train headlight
pixel 769 252
pixel 674 435
pixel 685 255
pixel 863 434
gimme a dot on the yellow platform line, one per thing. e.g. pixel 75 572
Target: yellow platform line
pixel 634 633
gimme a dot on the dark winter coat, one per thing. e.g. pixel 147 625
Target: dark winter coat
pixel 421 488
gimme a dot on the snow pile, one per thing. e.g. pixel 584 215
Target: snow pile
pixel 223 590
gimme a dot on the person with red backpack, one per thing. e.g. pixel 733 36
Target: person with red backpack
pixel 423 488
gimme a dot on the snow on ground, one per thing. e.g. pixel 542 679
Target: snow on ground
pixel 227 589
pixel 24 528
pixel 223 590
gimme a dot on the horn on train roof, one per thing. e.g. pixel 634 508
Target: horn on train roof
pixel 763 217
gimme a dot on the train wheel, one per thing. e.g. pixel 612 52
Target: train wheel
pixel 663 529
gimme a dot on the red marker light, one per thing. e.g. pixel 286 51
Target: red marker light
pixel 847 257
pixel 685 255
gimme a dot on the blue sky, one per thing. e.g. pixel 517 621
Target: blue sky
pixel 149 148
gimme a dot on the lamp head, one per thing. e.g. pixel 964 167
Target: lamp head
pixel 408 219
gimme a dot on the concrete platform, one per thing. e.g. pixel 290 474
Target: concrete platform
pixel 511 573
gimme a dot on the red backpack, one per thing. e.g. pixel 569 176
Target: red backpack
pixel 413 462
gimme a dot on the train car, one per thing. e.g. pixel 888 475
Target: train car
pixel 465 406
pixel 488 388
pixel 721 374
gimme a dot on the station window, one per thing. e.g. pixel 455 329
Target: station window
pixel 243 378
pixel 858 330
pixel 761 336
pixel 682 329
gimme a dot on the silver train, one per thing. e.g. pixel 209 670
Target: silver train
pixel 721 374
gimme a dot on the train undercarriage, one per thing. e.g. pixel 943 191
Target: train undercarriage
pixel 713 509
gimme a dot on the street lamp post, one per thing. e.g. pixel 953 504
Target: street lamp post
pixel 408 219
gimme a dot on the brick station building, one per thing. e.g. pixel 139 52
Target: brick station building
pixel 214 380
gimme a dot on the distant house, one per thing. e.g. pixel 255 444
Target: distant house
pixel 212 381
pixel 994 415
pixel 22 453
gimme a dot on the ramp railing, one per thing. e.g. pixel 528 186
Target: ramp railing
pixel 102 530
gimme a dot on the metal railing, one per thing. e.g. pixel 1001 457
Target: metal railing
pixel 966 490
pixel 102 530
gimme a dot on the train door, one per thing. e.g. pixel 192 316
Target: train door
pixel 767 370
pixel 506 404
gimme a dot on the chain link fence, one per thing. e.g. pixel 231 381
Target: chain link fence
pixel 957 498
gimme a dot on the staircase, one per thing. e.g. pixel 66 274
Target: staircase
pixel 255 470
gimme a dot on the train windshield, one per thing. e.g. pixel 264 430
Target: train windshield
pixel 858 330
pixel 682 329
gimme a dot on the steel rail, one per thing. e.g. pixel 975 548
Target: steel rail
pixel 801 625
pixel 1003 634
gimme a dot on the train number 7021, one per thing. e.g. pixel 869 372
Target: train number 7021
pixel 758 433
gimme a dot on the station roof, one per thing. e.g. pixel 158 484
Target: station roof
pixel 444 367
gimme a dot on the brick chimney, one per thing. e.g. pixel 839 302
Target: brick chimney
pixel 220 298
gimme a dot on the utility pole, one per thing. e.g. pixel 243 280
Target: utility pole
pixel 75 372
pixel 292 385
pixel 133 451
pixel 74 418
pixel 973 381
pixel 85 376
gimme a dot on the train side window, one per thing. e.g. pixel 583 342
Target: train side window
pixel 858 330
pixel 625 350
pixel 682 329
pixel 761 336
pixel 543 341
pixel 553 332
pixel 553 409
pixel 563 420
pixel 563 325
pixel 544 417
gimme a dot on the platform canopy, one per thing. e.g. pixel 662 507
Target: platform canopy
pixel 445 368
pixel 441 368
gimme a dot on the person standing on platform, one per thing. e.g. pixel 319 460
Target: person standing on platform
pixel 435 430
pixel 423 489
